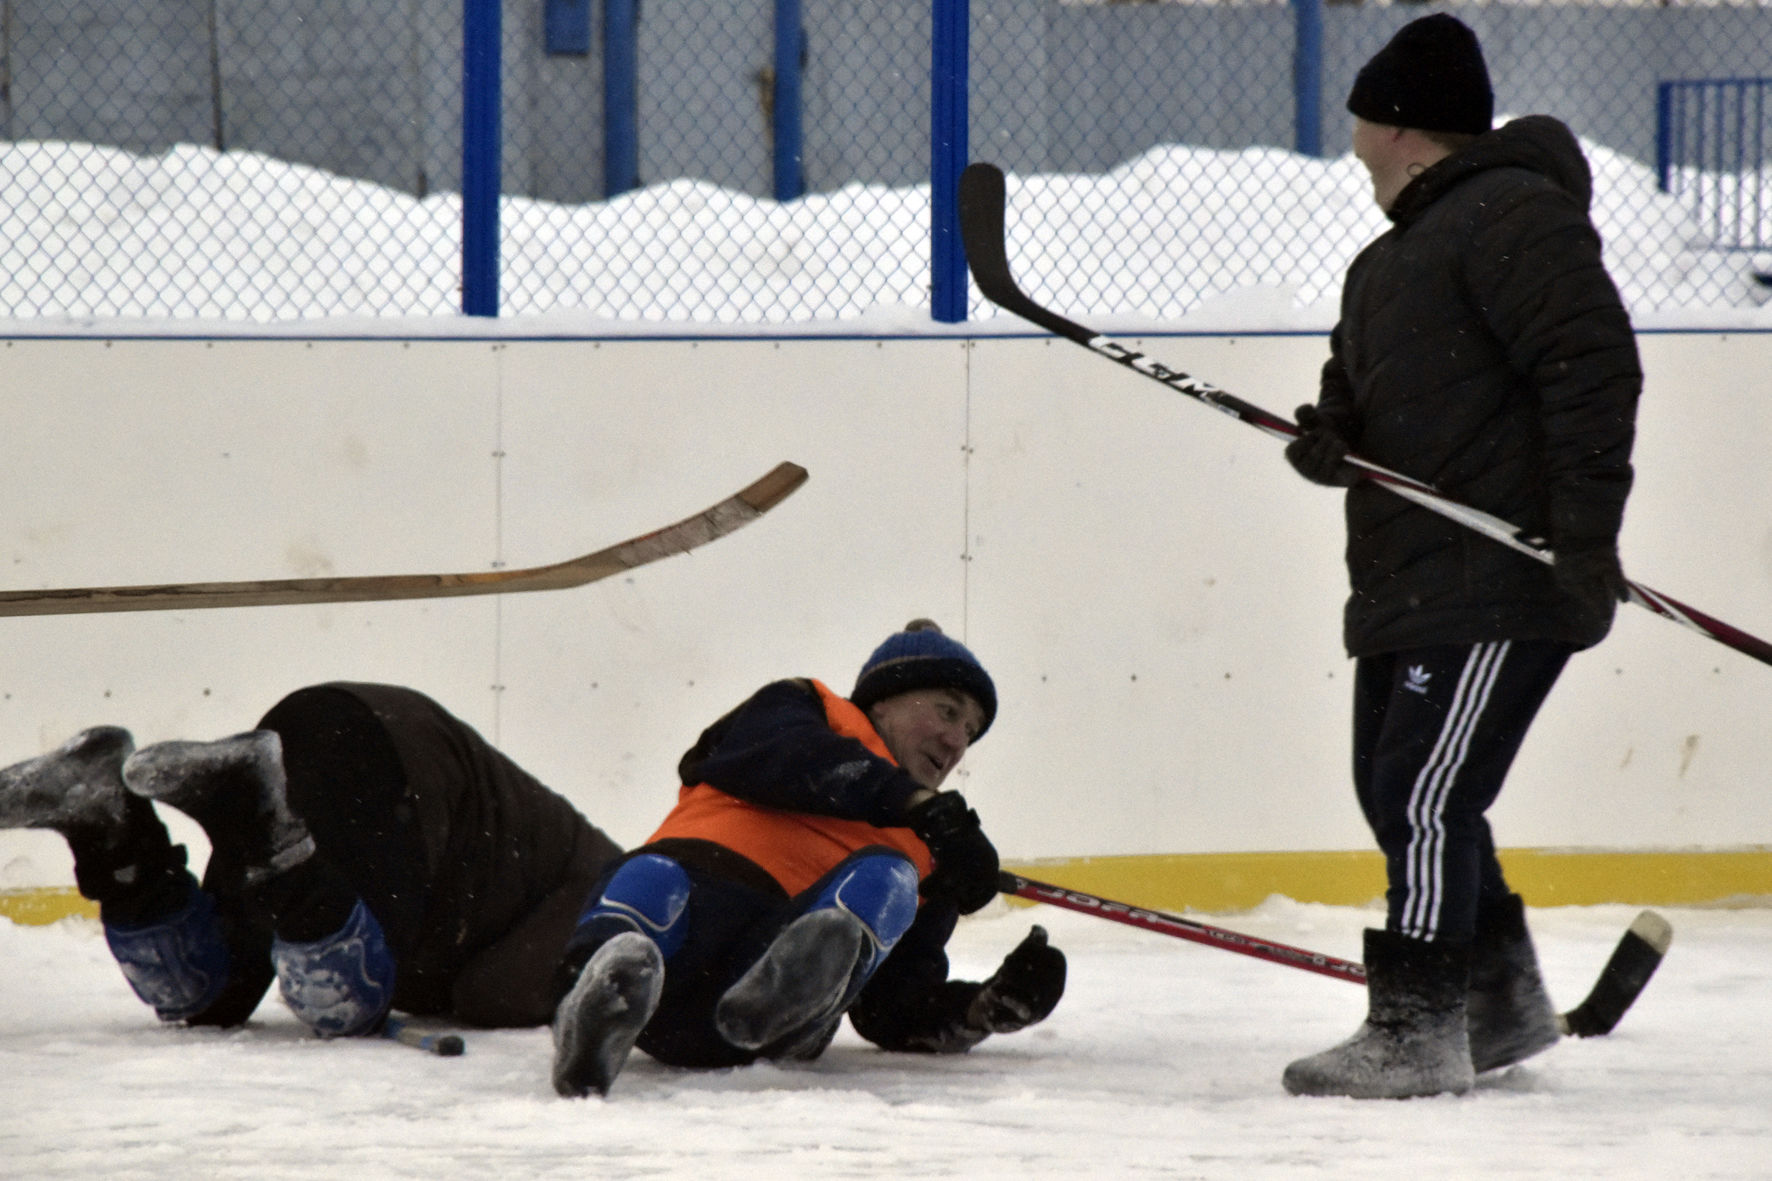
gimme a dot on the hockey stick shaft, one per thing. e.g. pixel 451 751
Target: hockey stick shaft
pixel 1623 979
pixel 729 515
pixel 410 1032
pixel 1174 925
pixel 982 196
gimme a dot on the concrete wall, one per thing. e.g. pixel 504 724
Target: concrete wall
pixel 1155 592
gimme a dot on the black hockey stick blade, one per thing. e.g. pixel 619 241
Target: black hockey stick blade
pixel 984 235
pixel 731 514
pixel 1625 976
pixel 419 1035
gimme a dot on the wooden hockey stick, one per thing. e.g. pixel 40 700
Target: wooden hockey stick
pixel 731 514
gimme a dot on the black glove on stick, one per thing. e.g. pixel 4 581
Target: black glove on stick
pixel 965 860
pixel 1319 453
pixel 1589 573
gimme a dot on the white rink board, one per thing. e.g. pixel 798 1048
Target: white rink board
pixel 1155 592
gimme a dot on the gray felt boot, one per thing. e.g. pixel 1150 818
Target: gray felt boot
pixel 598 1022
pixel 1413 1041
pixel 798 986
pixel 1509 1014
pixel 235 789
pixel 77 785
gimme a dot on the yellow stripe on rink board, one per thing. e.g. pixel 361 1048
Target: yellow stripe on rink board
pixel 1223 882
pixel 45 904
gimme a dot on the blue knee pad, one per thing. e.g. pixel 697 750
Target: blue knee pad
pixel 649 894
pixel 178 964
pixel 880 889
pixel 342 985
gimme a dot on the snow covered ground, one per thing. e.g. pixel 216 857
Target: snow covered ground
pixel 98 239
pixel 1163 1061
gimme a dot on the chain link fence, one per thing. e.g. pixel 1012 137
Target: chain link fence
pixel 768 161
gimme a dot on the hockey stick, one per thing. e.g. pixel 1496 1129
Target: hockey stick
pixel 1180 928
pixel 410 1031
pixel 982 230
pixel 1622 980
pixel 733 513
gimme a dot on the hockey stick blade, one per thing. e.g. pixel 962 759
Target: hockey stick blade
pixel 729 515
pixel 410 1032
pixel 983 229
pixel 1623 979
pixel 1619 985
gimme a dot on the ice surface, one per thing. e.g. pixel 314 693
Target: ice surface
pixel 1163 1061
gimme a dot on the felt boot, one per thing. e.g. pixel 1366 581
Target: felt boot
pixel 597 1024
pixel 235 788
pixel 1508 1013
pixel 1413 1041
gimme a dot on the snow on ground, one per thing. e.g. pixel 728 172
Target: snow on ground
pixel 1163 1061
pixel 95 238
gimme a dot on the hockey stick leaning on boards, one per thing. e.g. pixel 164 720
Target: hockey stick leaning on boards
pixel 1621 981
pixel 982 195
pixel 731 514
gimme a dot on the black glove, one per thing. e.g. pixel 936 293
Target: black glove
pixel 965 860
pixel 1588 572
pixel 1319 453
pixel 1025 989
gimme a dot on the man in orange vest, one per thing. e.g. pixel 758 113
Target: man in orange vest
pixel 783 889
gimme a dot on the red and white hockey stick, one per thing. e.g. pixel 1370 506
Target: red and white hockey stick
pixel 1621 981
pixel 982 196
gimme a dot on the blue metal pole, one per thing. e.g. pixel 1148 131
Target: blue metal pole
pixel 1307 76
pixel 480 151
pixel 787 114
pixel 621 88
pixel 1664 133
pixel 948 148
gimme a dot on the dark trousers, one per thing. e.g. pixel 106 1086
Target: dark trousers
pixel 345 780
pixel 1435 730
pixel 735 912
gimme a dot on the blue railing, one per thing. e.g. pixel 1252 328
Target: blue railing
pixel 950 114
pixel 1710 151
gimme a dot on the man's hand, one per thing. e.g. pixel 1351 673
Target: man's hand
pixel 965 860
pixel 1319 453
pixel 1589 573
pixel 1025 989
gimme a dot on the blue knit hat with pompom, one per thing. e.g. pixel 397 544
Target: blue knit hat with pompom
pixel 921 657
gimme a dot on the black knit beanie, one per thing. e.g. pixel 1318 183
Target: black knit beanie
pixel 921 657
pixel 1430 77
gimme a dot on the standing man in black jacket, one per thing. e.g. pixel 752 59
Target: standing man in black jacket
pixel 1481 348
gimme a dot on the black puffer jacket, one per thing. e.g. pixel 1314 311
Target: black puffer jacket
pixel 1482 348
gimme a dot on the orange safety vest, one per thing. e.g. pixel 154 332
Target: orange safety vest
pixel 794 848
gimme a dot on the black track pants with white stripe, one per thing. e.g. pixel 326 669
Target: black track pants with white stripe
pixel 1435 730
